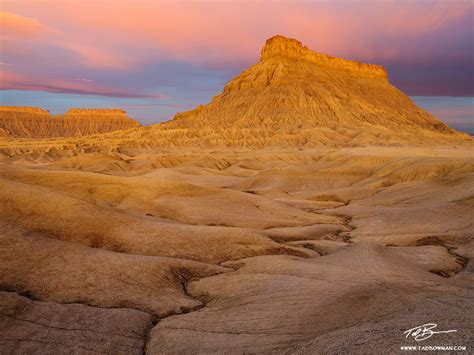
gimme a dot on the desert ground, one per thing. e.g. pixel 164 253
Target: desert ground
pixel 235 251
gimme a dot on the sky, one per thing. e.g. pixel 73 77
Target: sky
pixel 155 58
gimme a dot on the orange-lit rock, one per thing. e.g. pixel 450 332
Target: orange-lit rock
pixel 295 96
pixel 280 46
pixel 34 122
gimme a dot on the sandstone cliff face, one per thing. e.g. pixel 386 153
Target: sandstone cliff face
pixel 33 122
pixel 282 47
pixel 295 96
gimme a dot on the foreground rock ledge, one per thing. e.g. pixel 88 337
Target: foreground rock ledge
pixel 32 327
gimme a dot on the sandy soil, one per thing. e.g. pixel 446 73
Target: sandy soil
pixel 235 251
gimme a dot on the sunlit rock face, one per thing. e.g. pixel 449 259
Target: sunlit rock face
pixel 34 122
pixel 295 96
pixel 280 46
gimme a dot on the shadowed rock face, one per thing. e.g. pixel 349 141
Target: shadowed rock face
pixel 33 122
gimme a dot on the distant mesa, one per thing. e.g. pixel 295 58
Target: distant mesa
pixel 34 122
pixel 98 112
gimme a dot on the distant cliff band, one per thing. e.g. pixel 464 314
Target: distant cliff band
pixel 33 122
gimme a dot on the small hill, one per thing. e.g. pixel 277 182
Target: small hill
pixel 33 122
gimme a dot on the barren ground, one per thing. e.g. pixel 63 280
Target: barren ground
pixel 235 251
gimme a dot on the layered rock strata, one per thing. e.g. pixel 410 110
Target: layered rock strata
pixel 33 122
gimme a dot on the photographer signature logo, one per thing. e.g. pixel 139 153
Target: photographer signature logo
pixel 425 331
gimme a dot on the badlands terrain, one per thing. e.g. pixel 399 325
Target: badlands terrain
pixel 311 207
pixel 33 122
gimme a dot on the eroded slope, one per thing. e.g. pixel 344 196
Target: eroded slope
pixel 269 251
pixel 32 122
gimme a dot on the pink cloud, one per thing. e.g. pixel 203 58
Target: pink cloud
pixel 16 26
pixel 16 81
pixel 99 57
pixel 33 33
pixel 230 30
pixel 127 35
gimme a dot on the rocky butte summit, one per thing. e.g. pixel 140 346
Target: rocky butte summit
pixel 34 122
pixel 296 97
